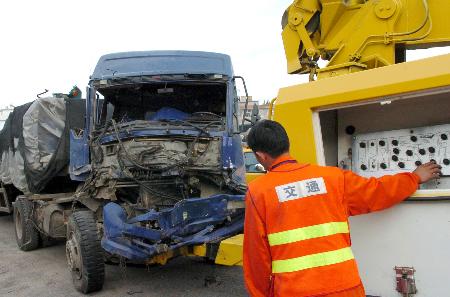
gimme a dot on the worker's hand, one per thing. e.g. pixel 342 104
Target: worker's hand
pixel 428 171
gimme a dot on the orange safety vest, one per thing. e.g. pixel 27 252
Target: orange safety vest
pixel 297 238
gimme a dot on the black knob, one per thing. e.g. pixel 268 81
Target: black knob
pixel 418 163
pixel 444 136
pixel 422 151
pixel 431 149
pixel 382 143
pixel 396 151
pixel 372 144
pixel 413 138
pixel 394 158
pixel 401 165
pixel 446 162
pixel 383 166
pixel 363 167
pixel 362 144
pixel 395 142
pixel 409 153
pixel 350 130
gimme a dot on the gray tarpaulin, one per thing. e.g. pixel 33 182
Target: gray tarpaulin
pixel 35 144
pixel 11 169
pixel 43 125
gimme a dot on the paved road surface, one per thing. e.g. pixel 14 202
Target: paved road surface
pixel 44 273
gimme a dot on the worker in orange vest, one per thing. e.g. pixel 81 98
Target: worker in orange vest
pixel 296 233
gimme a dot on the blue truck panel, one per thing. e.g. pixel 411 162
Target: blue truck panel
pixel 160 63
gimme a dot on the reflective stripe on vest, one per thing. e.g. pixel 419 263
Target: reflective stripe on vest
pixel 307 233
pixel 311 261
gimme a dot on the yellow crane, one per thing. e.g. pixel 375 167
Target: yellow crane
pixel 388 119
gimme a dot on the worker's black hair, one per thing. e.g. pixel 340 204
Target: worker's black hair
pixel 268 137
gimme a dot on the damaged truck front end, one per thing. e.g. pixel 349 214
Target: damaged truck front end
pixel 160 160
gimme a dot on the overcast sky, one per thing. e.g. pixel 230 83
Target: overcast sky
pixel 56 44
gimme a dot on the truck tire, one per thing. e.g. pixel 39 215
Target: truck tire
pixel 84 252
pixel 27 236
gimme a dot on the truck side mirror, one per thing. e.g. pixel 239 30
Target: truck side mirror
pixel 254 117
pixel 242 125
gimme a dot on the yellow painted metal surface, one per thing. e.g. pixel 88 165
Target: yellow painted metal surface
pixel 357 35
pixel 230 251
pixel 199 250
pixel 162 258
pixel 249 176
pixel 271 108
pixel 295 104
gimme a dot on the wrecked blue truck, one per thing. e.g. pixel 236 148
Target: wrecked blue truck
pixel 147 167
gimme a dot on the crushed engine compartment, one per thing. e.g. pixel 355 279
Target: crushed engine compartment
pixel 158 171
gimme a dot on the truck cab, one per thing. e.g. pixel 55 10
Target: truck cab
pixel 164 95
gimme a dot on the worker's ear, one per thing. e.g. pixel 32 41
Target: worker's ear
pixel 261 157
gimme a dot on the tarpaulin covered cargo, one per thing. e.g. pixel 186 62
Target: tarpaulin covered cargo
pixel 34 142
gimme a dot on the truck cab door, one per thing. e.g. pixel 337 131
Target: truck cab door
pixel 79 165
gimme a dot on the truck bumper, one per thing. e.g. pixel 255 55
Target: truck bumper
pixel 182 229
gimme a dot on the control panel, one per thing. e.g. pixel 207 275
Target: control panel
pixel 390 152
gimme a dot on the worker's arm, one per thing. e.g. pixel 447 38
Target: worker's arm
pixel 257 260
pixel 364 195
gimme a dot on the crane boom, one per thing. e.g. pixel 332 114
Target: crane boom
pixel 355 35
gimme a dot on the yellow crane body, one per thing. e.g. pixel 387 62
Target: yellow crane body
pixel 375 114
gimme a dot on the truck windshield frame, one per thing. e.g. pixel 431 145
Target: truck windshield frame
pixel 201 99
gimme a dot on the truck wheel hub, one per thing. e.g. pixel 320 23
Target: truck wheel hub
pixel 73 255
pixel 18 224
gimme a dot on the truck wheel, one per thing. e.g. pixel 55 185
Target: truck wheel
pixel 84 252
pixel 27 236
